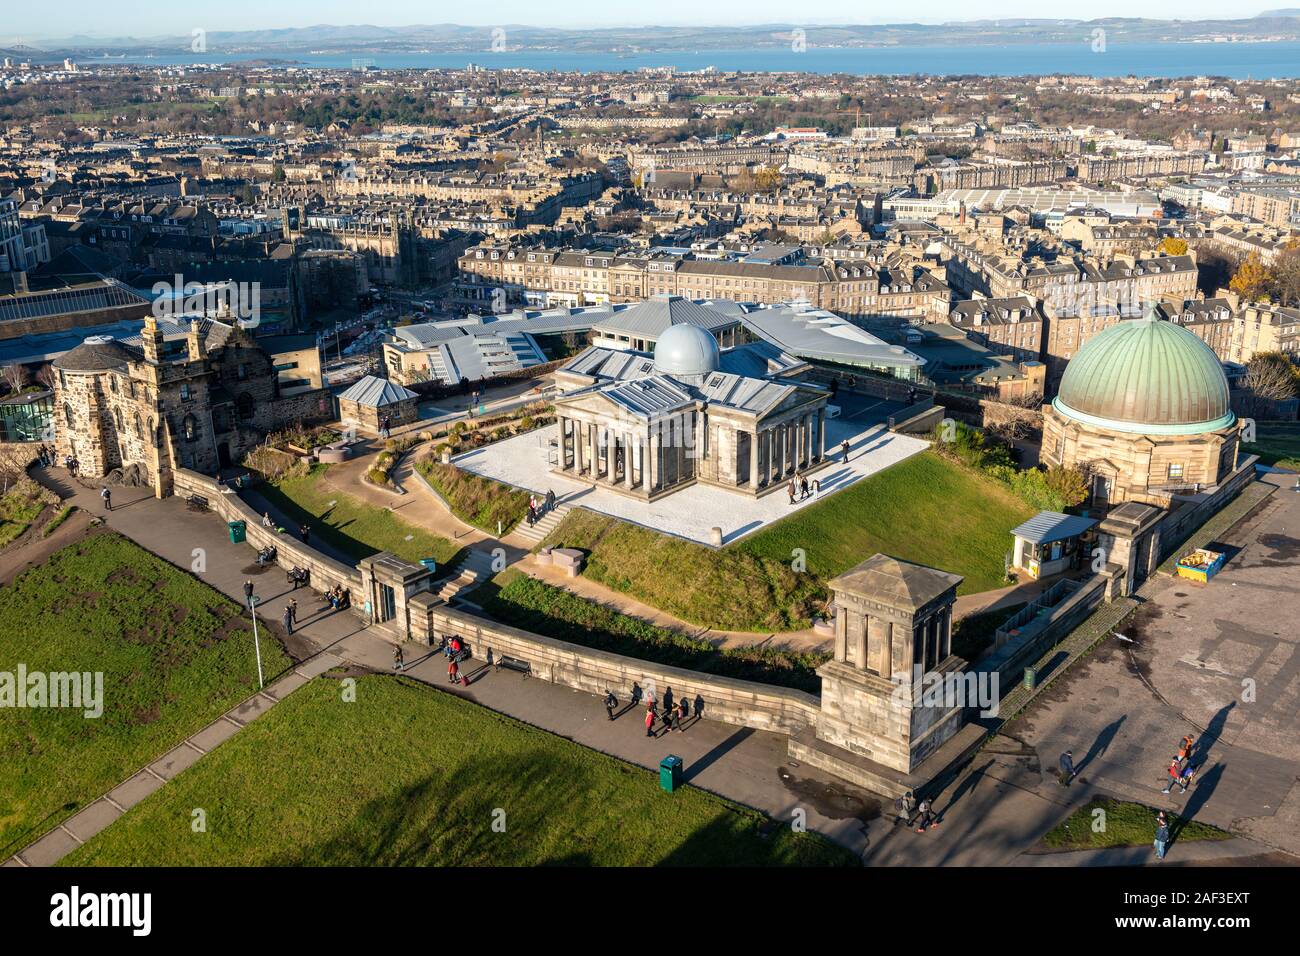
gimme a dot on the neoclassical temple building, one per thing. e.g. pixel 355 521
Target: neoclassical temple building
pixel 1143 410
pixel 196 395
pixel 650 424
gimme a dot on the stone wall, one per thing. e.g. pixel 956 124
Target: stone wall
pixel 739 702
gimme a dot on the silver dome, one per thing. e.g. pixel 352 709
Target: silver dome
pixel 686 352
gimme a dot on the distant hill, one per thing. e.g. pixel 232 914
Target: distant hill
pixel 453 38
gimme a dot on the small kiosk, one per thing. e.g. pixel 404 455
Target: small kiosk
pixel 1050 543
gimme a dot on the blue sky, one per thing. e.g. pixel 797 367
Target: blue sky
pixel 137 18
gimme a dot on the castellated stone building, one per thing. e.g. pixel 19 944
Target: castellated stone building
pixel 1143 410
pixel 199 395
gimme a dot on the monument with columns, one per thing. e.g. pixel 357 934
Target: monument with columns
pixel 893 627
pixel 662 424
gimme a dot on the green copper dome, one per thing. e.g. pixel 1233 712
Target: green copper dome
pixel 1147 376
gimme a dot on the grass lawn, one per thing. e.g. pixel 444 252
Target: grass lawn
pixel 174 654
pixel 22 505
pixel 481 502
pixel 1126 824
pixel 925 509
pixel 17 512
pixel 1276 443
pixel 520 601
pixel 408 776
pixel 353 526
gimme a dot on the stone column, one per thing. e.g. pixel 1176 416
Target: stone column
pixel 656 442
pixel 841 631
pixel 753 459
pixel 595 460
pixel 627 460
pixel 861 638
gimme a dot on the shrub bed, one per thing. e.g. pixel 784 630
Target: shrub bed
pixel 473 499
pixel 533 605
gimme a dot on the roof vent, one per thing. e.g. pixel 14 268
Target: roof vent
pixel 97 340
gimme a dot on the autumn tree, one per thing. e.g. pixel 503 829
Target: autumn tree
pixel 1173 246
pixel 1070 483
pixel 1252 279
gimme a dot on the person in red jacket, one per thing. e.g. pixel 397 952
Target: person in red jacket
pixel 650 722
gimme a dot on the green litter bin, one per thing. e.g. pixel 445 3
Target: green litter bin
pixel 237 530
pixel 1031 678
pixel 670 773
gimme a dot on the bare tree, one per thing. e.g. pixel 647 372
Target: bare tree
pixel 14 460
pixel 1271 375
pixel 45 375
pixel 15 376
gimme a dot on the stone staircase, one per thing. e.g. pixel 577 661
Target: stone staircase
pixel 544 527
pixel 474 569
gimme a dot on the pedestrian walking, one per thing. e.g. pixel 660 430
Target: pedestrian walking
pixel 1186 777
pixel 844 450
pixel 906 807
pixel 789 490
pixel 803 488
pixel 398 660
pixel 108 498
pixel 1185 747
pixel 550 500
pixel 1174 772
pixel 650 721
pixel 1068 772
pixel 610 703
pixel 453 671
pixel 293 612
pixel 1162 835
pixel 304 529
pixel 926 820
pixel 248 592
pixel 677 718
pixel 817 486
pixel 287 620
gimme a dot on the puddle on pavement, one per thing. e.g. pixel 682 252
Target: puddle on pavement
pixel 830 800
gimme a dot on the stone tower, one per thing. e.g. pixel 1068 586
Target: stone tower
pixel 893 624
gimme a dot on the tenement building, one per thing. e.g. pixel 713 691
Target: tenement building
pixel 1143 410
pixel 199 395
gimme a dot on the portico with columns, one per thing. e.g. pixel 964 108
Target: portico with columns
pixel 648 454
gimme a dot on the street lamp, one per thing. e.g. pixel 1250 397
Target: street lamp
pixel 253 601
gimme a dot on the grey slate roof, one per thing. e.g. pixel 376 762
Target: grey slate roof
pixel 1048 526
pixel 375 392
pixel 651 317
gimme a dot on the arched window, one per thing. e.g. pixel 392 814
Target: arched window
pixel 112 384
pixel 117 418
pixel 190 428
pixel 139 429
pixel 67 414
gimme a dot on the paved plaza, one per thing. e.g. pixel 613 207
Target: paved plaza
pixel 525 461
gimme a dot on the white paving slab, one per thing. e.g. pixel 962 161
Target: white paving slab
pixel 690 513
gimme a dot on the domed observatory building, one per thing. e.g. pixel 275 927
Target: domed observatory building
pixel 1143 411
pixel 650 424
